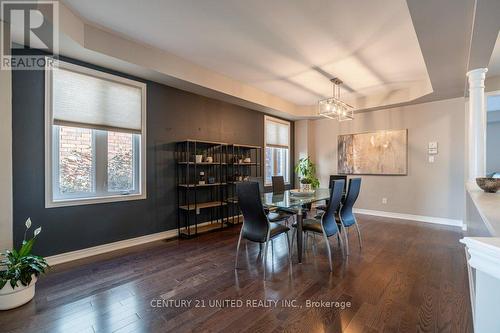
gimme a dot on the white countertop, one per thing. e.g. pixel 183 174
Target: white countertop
pixel 488 206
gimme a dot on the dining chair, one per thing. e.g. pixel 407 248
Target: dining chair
pixel 331 179
pixel 256 226
pixel 275 216
pixel 345 216
pixel 326 224
pixel 278 183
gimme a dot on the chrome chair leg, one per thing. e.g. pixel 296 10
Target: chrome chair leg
pixel 329 251
pixel 341 244
pixel 359 233
pixel 265 252
pixel 289 250
pixel 314 242
pixel 293 237
pixel 238 249
pixel 344 231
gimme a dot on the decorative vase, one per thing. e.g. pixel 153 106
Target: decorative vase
pixel 209 159
pixel 12 298
pixel 198 158
pixel 305 187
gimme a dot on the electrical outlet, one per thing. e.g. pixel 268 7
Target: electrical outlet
pixel 384 201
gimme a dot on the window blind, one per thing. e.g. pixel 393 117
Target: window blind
pixel 82 100
pixel 277 133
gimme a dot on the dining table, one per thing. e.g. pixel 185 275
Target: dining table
pixel 292 201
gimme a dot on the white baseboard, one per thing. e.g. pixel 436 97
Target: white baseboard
pixel 100 249
pixel 420 218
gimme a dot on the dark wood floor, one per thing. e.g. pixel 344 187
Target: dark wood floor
pixel 409 277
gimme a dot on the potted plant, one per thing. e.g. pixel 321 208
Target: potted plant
pixel 19 270
pixel 306 171
pixel 199 156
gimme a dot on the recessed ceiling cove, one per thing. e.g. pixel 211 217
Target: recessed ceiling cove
pixel 290 49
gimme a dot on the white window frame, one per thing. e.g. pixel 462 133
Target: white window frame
pixel 51 151
pixel 288 123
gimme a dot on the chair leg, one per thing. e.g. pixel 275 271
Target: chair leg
pixel 341 244
pixel 344 231
pixel 265 252
pixel 359 234
pixel 289 249
pixel 329 251
pixel 293 237
pixel 306 236
pixel 314 241
pixel 238 249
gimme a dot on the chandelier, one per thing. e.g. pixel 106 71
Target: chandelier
pixel 334 107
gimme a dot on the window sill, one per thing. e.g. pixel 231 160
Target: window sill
pixel 92 201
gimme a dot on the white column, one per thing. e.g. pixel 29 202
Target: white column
pixel 477 123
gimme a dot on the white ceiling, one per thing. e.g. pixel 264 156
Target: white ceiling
pixel 289 49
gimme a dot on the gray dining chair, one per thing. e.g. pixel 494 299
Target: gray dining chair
pixel 326 224
pixel 256 225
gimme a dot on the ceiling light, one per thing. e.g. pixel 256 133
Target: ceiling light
pixel 334 107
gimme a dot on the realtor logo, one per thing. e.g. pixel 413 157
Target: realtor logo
pixel 29 33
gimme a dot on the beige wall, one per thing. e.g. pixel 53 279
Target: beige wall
pixel 430 189
pixel 6 160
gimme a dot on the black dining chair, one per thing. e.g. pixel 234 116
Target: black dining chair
pixel 278 183
pixel 345 216
pixel 256 226
pixel 330 184
pixel 326 224
pixel 275 216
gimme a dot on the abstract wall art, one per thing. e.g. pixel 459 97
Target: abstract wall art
pixel 374 153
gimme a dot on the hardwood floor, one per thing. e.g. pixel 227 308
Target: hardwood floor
pixel 409 277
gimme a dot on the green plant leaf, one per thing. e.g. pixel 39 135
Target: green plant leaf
pixel 26 248
pixel 2 283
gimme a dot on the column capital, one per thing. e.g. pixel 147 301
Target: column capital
pixel 477 76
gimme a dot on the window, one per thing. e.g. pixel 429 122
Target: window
pixel 277 145
pixel 95 137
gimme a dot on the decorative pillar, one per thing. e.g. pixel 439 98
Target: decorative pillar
pixel 483 260
pixel 477 123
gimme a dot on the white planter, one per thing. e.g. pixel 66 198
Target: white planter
pixel 305 187
pixel 12 298
pixel 199 158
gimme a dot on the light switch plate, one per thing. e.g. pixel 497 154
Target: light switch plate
pixel 432 148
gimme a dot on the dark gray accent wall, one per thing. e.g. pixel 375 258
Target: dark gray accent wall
pixel 172 115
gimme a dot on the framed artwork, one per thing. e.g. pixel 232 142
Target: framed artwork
pixel 373 153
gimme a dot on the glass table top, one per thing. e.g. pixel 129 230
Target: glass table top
pixel 288 200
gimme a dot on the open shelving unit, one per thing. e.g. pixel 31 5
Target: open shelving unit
pixel 244 162
pixel 211 204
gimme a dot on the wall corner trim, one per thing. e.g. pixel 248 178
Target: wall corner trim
pixel 419 218
pixel 100 249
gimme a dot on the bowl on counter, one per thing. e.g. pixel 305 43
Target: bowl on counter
pixel 490 185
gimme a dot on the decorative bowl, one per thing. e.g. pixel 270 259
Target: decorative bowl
pixel 301 193
pixel 490 185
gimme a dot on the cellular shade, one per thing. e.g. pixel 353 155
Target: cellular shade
pixel 82 100
pixel 277 133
